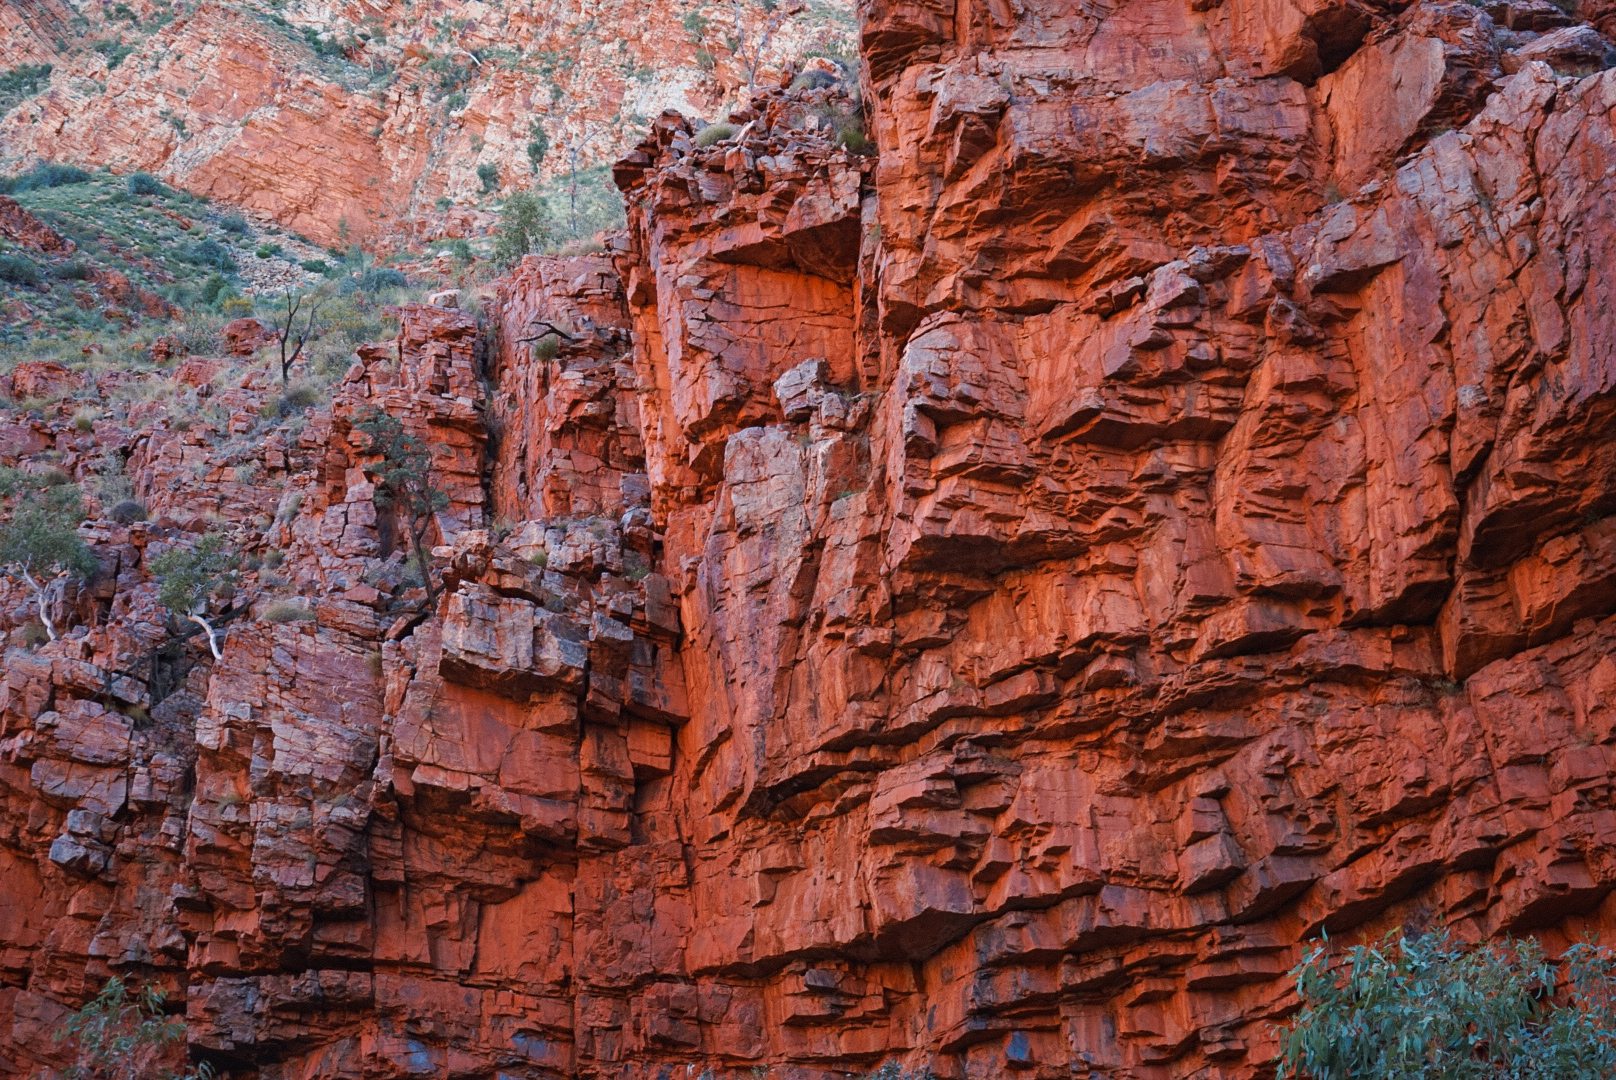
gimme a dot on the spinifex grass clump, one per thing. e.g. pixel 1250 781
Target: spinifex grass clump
pixel 1429 1008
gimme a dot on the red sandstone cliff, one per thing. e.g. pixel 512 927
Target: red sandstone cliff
pixel 984 607
pixel 361 141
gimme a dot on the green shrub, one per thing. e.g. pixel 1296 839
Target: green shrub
pixel 1427 1008
pixel 144 183
pixel 121 1035
pixel 488 176
pixel 382 277
pixel 295 400
pixel 328 46
pixel 283 612
pixel 210 252
pixel 584 204
pixel 847 129
pixel 268 251
pixel 23 80
pixel 40 540
pixel 538 145
pixel 234 223
pixel 214 289
pixel 460 248
pixel 189 578
pixel 48 175
pixel 72 270
pixel 19 270
pixel 316 266
pixel 813 80
pixel 524 226
pixel 713 134
pixel 116 52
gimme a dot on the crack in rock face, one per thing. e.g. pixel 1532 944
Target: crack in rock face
pixel 981 573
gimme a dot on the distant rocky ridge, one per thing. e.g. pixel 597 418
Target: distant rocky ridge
pixel 353 122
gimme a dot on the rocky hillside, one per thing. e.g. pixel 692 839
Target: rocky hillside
pixel 371 121
pixel 984 606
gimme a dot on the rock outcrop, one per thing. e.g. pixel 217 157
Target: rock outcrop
pixel 988 606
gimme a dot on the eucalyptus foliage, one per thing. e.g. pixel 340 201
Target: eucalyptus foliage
pixel 39 540
pixel 1429 1008
pixel 404 483
pixel 120 1035
pixel 189 577
pixel 524 226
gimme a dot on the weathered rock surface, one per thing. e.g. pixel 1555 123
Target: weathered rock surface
pixel 988 606
pixel 232 101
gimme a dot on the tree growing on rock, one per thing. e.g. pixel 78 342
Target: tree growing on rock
pixel 41 544
pixel 404 485
pixel 1427 1008
pixel 749 46
pixel 524 226
pixel 284 324
pixel 191 577
pixel 124 1035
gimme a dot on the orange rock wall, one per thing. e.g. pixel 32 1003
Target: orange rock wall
pixel 225 102
pixel 986 607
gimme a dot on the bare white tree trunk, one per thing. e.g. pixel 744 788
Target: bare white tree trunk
pixel 42 598
pixel 213 637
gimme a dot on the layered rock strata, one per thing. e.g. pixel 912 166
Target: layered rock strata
pixel 364 122
pixel 987 607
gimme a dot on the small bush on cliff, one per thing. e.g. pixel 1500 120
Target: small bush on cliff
pixel 382 277
pixel 524 226
pixel 283 612
pixel 144 183
pixel 19 271
pixel 22 81
pixel 538 145
pixel 40 542
pixel 1427 1008
pixel 488 176
pixel 121 1035
pixel 114 50
pixel 293 401
pixel 404 484
pixel 191 577
pixel 210 252
pixel 813 80
pixel 713 134
pixel 48 175
pixel 847 129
